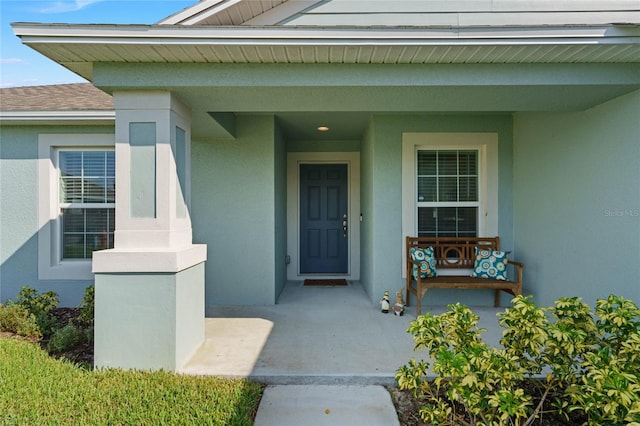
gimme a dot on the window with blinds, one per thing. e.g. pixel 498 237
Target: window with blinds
pixel 447 193
pixel 87 201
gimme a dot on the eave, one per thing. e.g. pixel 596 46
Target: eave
pixel 77 47
pixel 15 118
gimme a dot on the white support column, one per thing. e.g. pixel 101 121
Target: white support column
pixel 150 286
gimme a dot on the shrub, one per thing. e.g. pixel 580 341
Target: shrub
pixel 40 305
pixel 592 363
pixel 16 319
pixel 65 338
pixel 87 306
pixel 608 388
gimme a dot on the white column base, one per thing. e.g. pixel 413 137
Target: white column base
pixel 149 311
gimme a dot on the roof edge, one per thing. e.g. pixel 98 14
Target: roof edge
pixel 115 34
pixel 57 117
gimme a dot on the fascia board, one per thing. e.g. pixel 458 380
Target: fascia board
pixel 57 117
pixel 194 20
pixel 280 13
pixel 189 12
pixel 155 34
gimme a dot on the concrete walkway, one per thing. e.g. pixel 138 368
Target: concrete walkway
pixel 319 349
pixel 316 405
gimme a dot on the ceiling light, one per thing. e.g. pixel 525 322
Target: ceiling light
pixel 323 128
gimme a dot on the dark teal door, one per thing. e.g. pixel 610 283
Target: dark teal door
pixel 323 219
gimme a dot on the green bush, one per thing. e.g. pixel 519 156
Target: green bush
pixel 65 338
pixel 88 334
pixel 40 305
pixel 608 388
pixel 16 319
pixel 591 362
pixel 87 306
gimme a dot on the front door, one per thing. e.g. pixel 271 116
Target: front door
pixel 323 219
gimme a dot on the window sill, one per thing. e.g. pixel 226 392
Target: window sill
pixel 79 270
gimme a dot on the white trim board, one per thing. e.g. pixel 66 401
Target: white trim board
pixel 352 160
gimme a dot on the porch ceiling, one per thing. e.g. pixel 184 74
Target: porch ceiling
pixel 346 109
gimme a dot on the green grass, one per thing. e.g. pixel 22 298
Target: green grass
pixel 36 389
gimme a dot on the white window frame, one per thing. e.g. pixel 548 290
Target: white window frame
pixel 487 146
pixel 50 264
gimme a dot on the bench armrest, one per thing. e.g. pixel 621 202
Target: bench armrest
pixel 519 266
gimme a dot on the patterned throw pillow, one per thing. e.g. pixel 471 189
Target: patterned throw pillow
pixel 491 264
pixel 426 261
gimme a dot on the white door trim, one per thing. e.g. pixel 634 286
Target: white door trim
pixel 352 160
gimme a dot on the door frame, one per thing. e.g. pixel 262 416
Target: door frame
pixel 352 160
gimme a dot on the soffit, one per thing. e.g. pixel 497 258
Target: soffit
pixel 77 47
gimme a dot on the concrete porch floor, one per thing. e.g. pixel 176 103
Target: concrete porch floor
pixel 314 335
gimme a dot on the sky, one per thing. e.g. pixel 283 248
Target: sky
pixel 22 66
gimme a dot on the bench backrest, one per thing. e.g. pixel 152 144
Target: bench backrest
pixel 454 252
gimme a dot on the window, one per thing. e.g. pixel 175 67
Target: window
pixel 87 202
pixel 76 202
pixel 447 193
pixel 449 184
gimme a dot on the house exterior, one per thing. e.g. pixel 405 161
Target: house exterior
pixel 251 143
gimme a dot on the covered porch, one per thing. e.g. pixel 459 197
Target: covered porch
pixel 314 335
pixel 221 111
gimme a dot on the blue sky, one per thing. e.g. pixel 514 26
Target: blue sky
pixel 22 66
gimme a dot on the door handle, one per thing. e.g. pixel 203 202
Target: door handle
pixel 345 225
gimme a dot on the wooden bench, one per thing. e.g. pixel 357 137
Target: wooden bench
pixel 457 253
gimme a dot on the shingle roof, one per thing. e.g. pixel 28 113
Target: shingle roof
pixel 59 97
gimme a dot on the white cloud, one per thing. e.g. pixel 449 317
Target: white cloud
pixel 67 6
pixel 19 83
pixel 13 61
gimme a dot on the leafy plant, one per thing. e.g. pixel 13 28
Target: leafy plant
pixel 40 305
pixel 591 362
pixel 482 380
pixel 608 389
pixel 65 338
pixel 16 319
pixel 87 306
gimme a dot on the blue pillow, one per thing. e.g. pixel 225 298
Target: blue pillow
pixel 426 260
pixel 490 264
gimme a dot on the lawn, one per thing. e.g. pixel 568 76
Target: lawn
pixel 36 389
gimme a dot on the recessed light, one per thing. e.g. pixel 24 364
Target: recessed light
pixel 323 128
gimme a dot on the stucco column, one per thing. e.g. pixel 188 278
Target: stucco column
pixel 149 310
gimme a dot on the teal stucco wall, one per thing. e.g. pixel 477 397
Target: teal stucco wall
pixel 19 213
pixel 577 201
pixel 381 156
pixel 233 211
